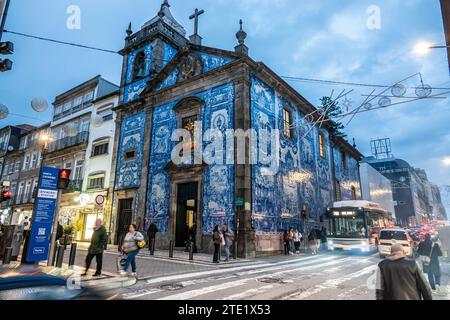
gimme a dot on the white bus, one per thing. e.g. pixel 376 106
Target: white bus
pixel 355 225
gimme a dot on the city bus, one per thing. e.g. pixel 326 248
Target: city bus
pixel 355 225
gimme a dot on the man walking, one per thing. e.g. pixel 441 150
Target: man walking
pixel 98 244
pixel 228 237
pixel 400 279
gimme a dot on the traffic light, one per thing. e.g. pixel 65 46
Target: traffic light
pixel 64 178
pixel 5 195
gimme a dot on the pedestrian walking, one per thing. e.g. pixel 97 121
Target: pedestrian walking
pixel 151 235
pixel 297 237
pixel 312 238
pixel 99 241
pixel 228 239
pixel 216 241
pixel 132 243
pixel 400 279
pixel 434 272
pixel 424 252
pixel 286 242
pixel 323 239
pixel 291 241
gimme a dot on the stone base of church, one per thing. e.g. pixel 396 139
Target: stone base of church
pixel 269 244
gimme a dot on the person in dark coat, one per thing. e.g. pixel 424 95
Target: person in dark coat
pixel 424 252
pixel 217 240
pixel 400 279
pixel 151 234
pixel 434 273
pixel 59 231
pixel 323 239
pixel 99 241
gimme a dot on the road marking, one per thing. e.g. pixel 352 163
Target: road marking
pixel 229 270
pixel 203 291
pixel 330 284
pixel 247 293
pixel 139 294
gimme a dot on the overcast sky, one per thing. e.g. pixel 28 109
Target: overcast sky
pixel 326 39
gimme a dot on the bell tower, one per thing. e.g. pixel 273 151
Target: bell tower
pixel 148 51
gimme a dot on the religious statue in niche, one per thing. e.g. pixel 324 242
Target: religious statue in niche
pixel 139 66
pixel 190 66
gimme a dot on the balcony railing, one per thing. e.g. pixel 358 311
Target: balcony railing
pixel 67 142
pixel 74 186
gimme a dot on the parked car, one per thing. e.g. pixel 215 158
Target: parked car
pixel 390 236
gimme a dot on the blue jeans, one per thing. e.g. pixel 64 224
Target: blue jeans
pixel 227 252
pixel 434 280
pixel 131 259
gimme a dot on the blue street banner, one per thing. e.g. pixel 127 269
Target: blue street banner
pixel 44 211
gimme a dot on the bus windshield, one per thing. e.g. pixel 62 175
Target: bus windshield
pixel 347 225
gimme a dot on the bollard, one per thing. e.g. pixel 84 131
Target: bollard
pixel 171 249
pixel 235 249
pixel 191 251
pixel 60 257
pixel 73 253
pixel 54 255
pixel 7 255
pixel 152 246
pixel 66 239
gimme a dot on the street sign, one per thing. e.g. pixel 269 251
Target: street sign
pixel 239 202
pixel 44 210
pixel 99 200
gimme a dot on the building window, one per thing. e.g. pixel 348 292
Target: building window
pixel 338 192
pixel 33 161
pixel 19 192
pixel 34 190
pixel 88 97
pixel 287 123
pixel 96 182
pixel 84 125
pixel 11 168
pixel 67 107
pixel 78 174
pixel 26 195
pixel 322 148
pixel 139 66
pixel 17 166
pixel 58 110
pixel 343 160
pixel 26 163
pixel 129 155
pixel 100 149
pixel 106 114
pixel 77 102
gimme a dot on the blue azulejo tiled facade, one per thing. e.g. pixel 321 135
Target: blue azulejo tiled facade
pixel 128 171
pixel 347 178
pixel 218 192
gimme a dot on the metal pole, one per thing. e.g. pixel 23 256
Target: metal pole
pixel 53 261
pixel 2 27
pixel 54 229
pixel 191 251
pixel 73 253
pixel 7 255
pixel 60 257
pixel 171 249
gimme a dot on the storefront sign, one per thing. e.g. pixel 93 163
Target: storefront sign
pixel 44 210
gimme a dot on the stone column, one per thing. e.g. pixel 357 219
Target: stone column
pixel 243 173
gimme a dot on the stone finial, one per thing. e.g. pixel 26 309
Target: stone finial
pixel 241 35
pixel 161 11
pixel 129 30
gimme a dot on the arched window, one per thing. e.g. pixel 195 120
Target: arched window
pixel 139 66
pixel 353 193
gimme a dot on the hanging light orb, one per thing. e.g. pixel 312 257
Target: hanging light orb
pixel 423 91
pixel 97 121
pixel 71 130
pixel 39 104
pixel 4 112
pixel 367 106
pixel 398 90
pixel 384 102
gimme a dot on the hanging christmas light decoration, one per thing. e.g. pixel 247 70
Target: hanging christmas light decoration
pixel 39 104
pixel 398 90
pixel 384 102
pixel 367 106
pixel 423 91
pixel 4 112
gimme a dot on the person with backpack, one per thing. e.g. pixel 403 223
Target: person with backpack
pixel 132 243
pixel 434 272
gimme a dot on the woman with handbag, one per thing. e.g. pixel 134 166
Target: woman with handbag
pixel 132 243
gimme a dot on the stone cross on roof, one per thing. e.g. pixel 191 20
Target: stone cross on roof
pixel 195 38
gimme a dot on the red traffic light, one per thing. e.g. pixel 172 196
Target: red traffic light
pixel 6 195
pixel 64 174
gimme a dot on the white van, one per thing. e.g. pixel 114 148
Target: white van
pixel 390 236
